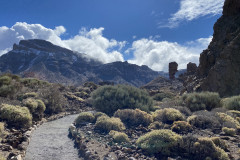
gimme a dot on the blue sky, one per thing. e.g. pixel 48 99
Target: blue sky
pixel 144 32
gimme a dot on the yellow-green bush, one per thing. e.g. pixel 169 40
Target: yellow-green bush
pixel 36 107
pixel 133 118
pixel 28 95
pixel 16 116
pixel 219 143
pixel 2 131
pixel 234 113
pixel 71 96
pixel 231 103
pixel 99 114
pixel 84 117
pixel 105 124
pixel 7 90
pixel 228 121
pixel 201 101
pixel 205 147
pixel 118 137
pixel 159 141
pixel 2 157
pixel 181 127
pixel 33 82
pixel 229 131
pixel 109 99
pixel 156 125
pixel 168 115
pixel 5 80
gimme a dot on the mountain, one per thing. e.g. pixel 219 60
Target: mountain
pixel 46 61
pixel 219 68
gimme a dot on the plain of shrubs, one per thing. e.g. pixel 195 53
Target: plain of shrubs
pixel 159 141
pixel 201 101
pixel 134 118
pixel 106 124
pixel 109 99
pixel 168 115
pixel 84 117
pixel 118 137
pixel 16 116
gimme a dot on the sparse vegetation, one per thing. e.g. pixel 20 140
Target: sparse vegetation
pixel 231 103
pixel 16 116
pixel 159 141
pixel 133 118
pixel 105 124
pixel 109 99
pixel 229 131
pixel 181 127
pixel 84 117
pixel 118 137
pixel 162 95
pixel 228 121
pixel 156 125
pixel 168 115
pixel 203 121
pixel 201 101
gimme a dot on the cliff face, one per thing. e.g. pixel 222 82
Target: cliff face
pixel 219 68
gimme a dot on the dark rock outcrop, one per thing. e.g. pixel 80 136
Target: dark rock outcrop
pixel 191 68
pixel 219 68
pixel 43 60
pixel 173 68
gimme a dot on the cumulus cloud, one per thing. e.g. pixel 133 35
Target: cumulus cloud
pixel 193 9
pixel 91 42
pixel 158 54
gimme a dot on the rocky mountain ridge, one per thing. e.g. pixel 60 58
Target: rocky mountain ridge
pixel 44 60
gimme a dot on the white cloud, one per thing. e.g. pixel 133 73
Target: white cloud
pixel 193 9
pixel 91 42
pixel 158 54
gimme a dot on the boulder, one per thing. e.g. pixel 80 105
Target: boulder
pixel 173 68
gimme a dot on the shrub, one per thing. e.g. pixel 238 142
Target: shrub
pixel 118 137
pixel 109 99
pixel 201 101
pixel 227 121
pixel 181 127
pixel 36 107
pixel 134 118
pixel 2 157
pixel 16 116
pixel 29 95
pixel 5 80
pixel 205 147
pixel 156 125
pixel 234 113
pixel 203 121
pixel 33 82
pixel 229 131
pixel 2 131
pixel 168 115
pixel 105 124
pixel 162 95
pixel 71 96
pixel 7 90
pixel 84 117
pixel 159 141
pixel 99 114
pixel 231 103
pixel 219 143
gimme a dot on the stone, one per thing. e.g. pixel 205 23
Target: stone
pixel 191 68
pixel 173 68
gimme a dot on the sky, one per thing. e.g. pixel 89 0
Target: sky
pixel 142 32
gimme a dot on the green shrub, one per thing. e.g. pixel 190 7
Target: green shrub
pixel 118 137
pixel 84 117
pixel 33 82
pixel 234 113
pixel 16 116
pixel 99 114
pixel 205 147
pixel 181 127
pixel 168 115
pixel 231 103
pixel 228 121
pixel 203 121
pixel 219 143
pixel 2 131
pixel 162 95
pixel 2 157
pixel 159 141
pixel 134 118
pixel 229 131
pixel 156 125
pixel 109 99
pixel 7 90
pixel 36 107
pixel 201 101
pixel 71 96
pixel 5 80
pixel 30 95
pixel 106 124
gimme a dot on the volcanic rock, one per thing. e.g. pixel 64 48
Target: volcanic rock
pixel 173 68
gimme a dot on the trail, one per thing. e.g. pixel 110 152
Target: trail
pixel 50 141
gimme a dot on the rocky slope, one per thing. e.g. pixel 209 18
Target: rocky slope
pixel 43 60
pixel 219 68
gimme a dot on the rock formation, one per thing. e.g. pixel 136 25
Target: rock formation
pixel 173 68
pixel 219 68
pixel 191 68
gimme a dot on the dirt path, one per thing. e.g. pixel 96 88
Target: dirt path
pixel 50 141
